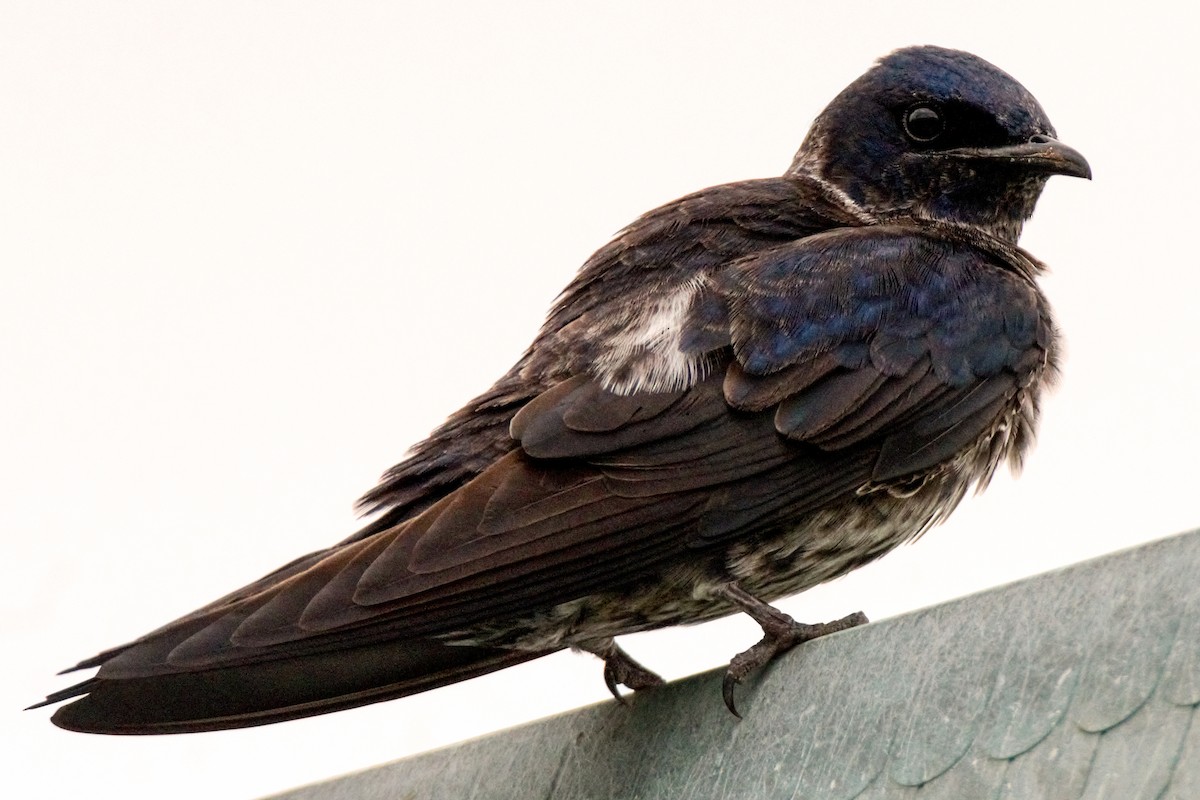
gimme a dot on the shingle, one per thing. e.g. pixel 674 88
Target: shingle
pixel 1136 759
pixel 1181 678
pixel 942 719
pixel 1185 782
pixel 1037 675
pixel 1132 627
pixel 976 776
pixel 1057 768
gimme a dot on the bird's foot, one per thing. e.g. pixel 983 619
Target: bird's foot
pixel 620 668
pixel 780 634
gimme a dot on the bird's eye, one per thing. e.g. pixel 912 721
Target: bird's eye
pixel 924 123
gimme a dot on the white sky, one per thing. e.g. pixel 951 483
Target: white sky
pixel 252 251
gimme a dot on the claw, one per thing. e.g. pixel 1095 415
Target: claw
pixel 612 682
pixel 727 692
pixel 780 634
pixel 620 669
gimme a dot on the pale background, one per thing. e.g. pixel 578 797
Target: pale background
pixel 251 251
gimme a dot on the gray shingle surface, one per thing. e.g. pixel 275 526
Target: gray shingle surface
pixel 1081 683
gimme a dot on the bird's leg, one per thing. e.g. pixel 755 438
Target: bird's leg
pixel 619 667
pixel 780 634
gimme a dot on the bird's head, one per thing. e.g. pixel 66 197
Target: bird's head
pixel 938 134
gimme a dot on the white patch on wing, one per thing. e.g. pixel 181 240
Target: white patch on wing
pixel 646 356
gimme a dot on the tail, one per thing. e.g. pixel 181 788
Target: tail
pixel 260 693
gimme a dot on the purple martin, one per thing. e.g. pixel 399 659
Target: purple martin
pixel 749 391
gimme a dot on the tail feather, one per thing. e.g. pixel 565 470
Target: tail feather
pixel 272 691
pixel 67 693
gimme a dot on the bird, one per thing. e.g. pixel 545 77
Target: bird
pixel 747 392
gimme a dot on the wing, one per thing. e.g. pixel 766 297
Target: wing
pixel 672 247
pixel 847 362
pixel 679 245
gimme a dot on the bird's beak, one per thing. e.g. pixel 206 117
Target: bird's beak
pixel 1042 154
